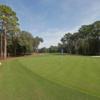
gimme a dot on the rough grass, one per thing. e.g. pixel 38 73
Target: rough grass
pixel 50 77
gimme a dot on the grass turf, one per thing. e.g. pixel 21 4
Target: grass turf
pixel 50 77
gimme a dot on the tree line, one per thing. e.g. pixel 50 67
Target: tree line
pixel 13 41
pixel 84 42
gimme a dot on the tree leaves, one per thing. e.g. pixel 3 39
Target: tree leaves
pixel 86 41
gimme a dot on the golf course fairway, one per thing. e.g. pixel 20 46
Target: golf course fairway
pixel 50 77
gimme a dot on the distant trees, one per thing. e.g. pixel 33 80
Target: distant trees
pixel 20 43
pixel 43 50
pixel 23 43
pixel 86 41
pixel 13 41
pixel 53 49
pixel 36 41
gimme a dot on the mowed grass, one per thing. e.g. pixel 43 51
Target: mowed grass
pixel 50 77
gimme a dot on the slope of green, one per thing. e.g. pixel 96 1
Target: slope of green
pixel 50 77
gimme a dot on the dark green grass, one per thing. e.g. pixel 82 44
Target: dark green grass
pixel 50 77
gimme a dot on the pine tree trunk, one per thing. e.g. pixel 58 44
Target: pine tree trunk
pixel 1 46
pixel 5 44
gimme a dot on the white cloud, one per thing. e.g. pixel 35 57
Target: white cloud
pixel 53 36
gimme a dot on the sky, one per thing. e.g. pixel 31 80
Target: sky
pixel 51 19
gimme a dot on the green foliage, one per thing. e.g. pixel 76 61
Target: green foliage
pixel 10 24
pixel 9 18
pixel 22 43
pixel 18 42
pixel 43 50
pixel 25 40
pixel 36 41
pixel 86 41
pixel 53 49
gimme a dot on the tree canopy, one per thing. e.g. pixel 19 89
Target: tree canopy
pixel 86 41
pixel 13 41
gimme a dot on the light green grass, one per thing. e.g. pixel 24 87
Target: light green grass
pixel 50 77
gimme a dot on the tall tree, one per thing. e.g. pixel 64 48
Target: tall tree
pixel 86 41
pixel 10 21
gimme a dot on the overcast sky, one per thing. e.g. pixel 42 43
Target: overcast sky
pixel 51 19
